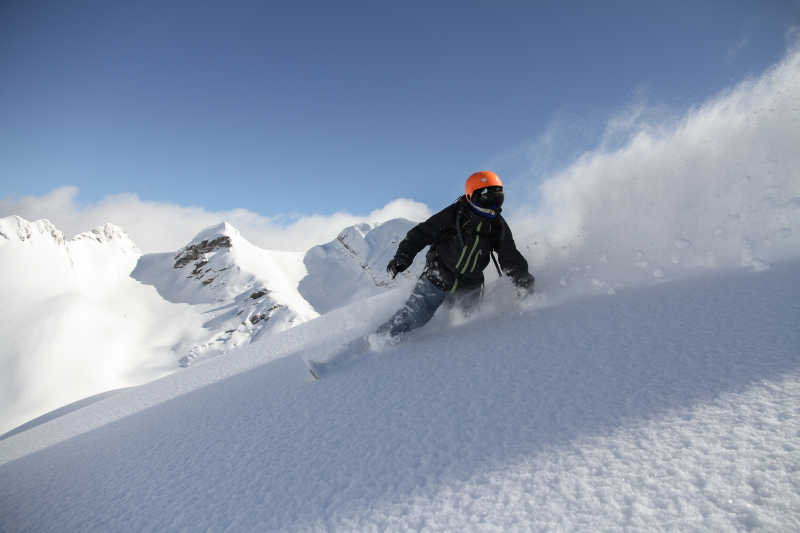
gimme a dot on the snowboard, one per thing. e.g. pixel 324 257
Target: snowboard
pixel 347 355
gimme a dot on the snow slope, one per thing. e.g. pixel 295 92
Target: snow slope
pixel 666 408
pixel 353 266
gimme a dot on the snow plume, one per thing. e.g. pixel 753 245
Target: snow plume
pixel 160 227
pixel 719 188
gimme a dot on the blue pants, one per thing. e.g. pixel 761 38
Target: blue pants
pixel 422 304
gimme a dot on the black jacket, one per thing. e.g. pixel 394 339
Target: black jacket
pixel 461 242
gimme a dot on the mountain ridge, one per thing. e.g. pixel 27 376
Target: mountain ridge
pixel 212 296
pixel 356 259
pixel 243 291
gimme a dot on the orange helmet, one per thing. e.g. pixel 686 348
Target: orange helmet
pixel 484 191
pixel 480 180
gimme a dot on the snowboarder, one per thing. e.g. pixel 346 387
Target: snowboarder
pixel 462 238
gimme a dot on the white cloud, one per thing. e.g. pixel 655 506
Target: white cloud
pixel 156 226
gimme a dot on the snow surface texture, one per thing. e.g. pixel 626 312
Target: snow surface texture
pixel 353 266
pixel 670 408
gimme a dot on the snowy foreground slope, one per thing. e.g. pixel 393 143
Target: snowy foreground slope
pixel 665 408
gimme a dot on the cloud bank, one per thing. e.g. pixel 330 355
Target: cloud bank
pixel 75 324
pixel 716 188
pixel 163 227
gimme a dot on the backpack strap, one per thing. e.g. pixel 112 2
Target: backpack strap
pixel 458 227
pixel 494 260
pixel 502 236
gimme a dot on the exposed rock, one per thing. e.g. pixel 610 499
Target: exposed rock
pixel 198 268
pixel 255 319
pixel 196 251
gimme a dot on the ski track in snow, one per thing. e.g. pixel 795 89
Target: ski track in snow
pixel 670 408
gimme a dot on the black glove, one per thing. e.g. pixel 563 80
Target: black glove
pixel 397 265
pixel 524 285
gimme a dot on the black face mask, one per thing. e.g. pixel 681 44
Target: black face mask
pixel 488 197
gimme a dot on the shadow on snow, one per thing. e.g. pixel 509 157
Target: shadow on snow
pixel 266 450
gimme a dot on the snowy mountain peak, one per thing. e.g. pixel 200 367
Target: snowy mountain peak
pixel 108 234
pixel 242 289
pixel 353 239
pixel 353 266
pixel 212 239
pixel 223 229
pixel 358 231
pixel 17 229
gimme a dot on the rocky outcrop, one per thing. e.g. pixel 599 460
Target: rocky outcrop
pixel 239 289
pixel 195 251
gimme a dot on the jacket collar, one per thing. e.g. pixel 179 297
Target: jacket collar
pixel 480 211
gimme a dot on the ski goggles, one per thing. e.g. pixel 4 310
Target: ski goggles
pixel 488 197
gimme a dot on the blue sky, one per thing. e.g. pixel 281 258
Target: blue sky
pixel 303 108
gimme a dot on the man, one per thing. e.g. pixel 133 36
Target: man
pixel 462 238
